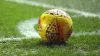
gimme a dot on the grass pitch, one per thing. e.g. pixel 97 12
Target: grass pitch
pixel 92 6
pixel 12 13
pixel 76 46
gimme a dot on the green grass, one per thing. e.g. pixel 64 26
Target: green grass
pixel 86 24
pixel 77 46
pixel 92 6
pixel 11 14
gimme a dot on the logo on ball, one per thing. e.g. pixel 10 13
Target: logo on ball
pixel 55 26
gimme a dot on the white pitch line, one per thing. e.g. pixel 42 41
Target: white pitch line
pixel 28 30
pixel 27 27
pixel 83 13
pixel 96 32
pixel 12 38
pixel 74 34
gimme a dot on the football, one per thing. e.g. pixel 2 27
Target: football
pixel 55 26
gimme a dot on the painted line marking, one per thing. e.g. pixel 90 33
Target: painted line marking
pixel 28 30
pixel 96 32
pixel 83 13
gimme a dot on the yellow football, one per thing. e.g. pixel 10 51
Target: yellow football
pixel 55 26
